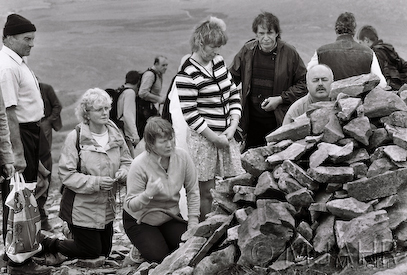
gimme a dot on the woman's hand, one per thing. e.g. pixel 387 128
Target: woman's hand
pixel 221 141
pixel 154 187
pixel 120 176
pixel 230 132
pixel 106 183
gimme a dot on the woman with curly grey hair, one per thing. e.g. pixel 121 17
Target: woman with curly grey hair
pixel 94 160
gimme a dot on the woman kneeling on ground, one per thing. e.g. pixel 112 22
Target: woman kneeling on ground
pixel 153 184
pixel 94 160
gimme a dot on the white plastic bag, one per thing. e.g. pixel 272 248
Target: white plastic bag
pixel 24 221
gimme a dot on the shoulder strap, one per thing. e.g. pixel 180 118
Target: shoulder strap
pixel 78 148
pixel 155 74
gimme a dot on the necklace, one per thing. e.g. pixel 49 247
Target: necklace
pixel 207 68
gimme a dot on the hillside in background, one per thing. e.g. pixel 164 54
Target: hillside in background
pixel 92 43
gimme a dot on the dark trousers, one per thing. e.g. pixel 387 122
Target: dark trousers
pixel 154 242
pixel 87 243
pixel 30 135
pixel 258 130
pixel 46 160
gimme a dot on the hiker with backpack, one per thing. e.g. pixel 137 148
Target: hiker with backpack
pixel 149 93
pixel 93 162
pixel 126 109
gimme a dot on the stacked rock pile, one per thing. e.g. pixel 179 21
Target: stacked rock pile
pixel 331 184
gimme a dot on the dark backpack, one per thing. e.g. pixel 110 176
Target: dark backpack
pixel 144 108
pixel 115 94
pixel 141 77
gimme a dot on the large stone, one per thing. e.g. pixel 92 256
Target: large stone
pixel 292 152
pixel 299 174
pixel 386 202
pixel 333 130
pixel 324 238
pixel 398 135
pixel 331 174
pixel 400 234
pixel 180 257
pixel 266 183
pixel 244 194
pixel 342 154
pixel 397 118
pixel 354 86
pixel 347 107
pixel 275 147
pixel 226 185
pixel 320 116
pixel 395 153
pixel 254 162
pixel 320 155
pixel 359 169
pixel 301 246
pixel 305 230
pixel 358 155
pixel 296 130
pixel 365 235
pixel 359 128
pixel 300 198
pixel 206 228
pixel 264 234
pixel 379 186
pixel 216 261
pixel 379 137
pixel 287 184
pixel 380 103
pixel 224 201
pixel 379 166
pixel 398 212
pixel 348 208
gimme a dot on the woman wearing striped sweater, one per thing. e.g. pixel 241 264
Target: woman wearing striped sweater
pixel 210 103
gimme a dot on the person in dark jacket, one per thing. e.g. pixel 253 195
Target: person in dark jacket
pixel 272 75
pixel 345 56
pixel 394 67
pixel 51 120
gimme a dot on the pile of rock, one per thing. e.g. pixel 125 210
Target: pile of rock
pixel 331 183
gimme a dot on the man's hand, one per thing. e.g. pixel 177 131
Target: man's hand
pixel 8 171
pixel 271 103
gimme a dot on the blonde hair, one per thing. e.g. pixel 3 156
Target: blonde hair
pixel 211 31
pixel 92 98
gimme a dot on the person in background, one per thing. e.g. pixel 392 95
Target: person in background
pixel 345 56
pixel 319 80
pixel 25 109
pixel 151 215
pixel 149 94
pixel 394 67
pixel 51 120
pixel 210 103
pixel 272 75
pixel 126 109
pixel 94 161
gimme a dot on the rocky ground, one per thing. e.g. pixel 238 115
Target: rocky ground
pixel 112 265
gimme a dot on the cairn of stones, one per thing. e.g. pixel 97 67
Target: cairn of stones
pixel 330 185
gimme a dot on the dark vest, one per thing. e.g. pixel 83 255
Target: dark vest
pixel 346 57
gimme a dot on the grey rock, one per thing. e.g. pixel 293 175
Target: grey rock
pixel 365 235
pixel 348 208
